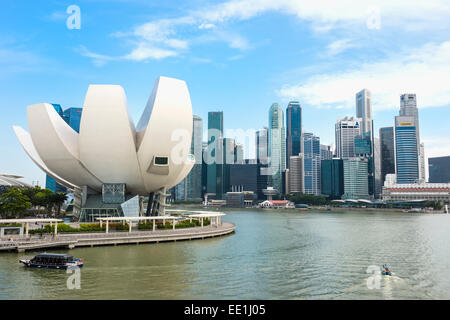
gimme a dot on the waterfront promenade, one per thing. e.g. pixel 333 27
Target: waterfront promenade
pixel 91 239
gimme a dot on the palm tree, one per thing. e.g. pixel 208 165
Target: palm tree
pixel 58 199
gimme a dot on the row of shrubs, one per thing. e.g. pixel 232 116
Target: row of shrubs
pixel 95 227
pixel 168 225
pixel 85 227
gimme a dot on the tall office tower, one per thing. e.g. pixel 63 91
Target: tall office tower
pixel 181 190
pixel 325 152
pixel 346 129
pixel 439 169
pixel 229 148
pixel 194 178
pixel 364 150
pixel 262 142
pixel 408 108
pixel 239 153
pixel 356 171
pixel 377 163
pixel 406 150
pixel 72 117
pixel 295 174
pixel 277 147
pixel 364 110
pixel 311 171
pixel 332 178
pixel 422 164
pixel 204 169
pixel 387 152
pixel 293 130
pixel 214 155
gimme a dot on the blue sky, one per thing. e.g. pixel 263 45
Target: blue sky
pixel 236 56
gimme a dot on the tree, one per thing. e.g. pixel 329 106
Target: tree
pixel 58 199
pixel 43 198
pixel 13 202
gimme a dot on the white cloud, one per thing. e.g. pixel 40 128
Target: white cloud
pixel 206 26
pixel 165 36
pixel 436 146
pixel 144 52
pixel 339 46
pixel 424 71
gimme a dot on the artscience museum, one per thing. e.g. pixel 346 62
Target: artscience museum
pixel 111 164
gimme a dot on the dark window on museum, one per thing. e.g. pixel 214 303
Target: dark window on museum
pixel 161 161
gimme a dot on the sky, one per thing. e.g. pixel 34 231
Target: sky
pixel 237 56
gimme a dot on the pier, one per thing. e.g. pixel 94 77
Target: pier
pixel 91 239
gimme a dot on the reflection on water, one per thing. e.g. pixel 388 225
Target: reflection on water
pixel 272 255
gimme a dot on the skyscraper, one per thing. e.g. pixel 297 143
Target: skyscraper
pixel 311 167
pixel 262 142
pixel 214 155
pixel 346 129
pixel 239 153
pixel 332 178
pixel 277 146
pixel 356 171
pixel 364 150
pixel 293 130
pixel 439 169
pixel 406 150
pixel 387 152
pixel 364 110
pixel 325 152
pixel 408 108
pixel 194 178
pixel 72 116
pixel 295 176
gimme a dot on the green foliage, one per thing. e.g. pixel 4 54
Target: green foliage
pixel 308 199
pixel 38 197
pixel 84 227
pixel 13 202
pixel 436 205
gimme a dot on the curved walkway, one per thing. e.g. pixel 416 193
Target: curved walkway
pixel 116 238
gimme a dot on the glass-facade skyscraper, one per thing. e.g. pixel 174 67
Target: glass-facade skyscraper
pixel 439 169
pixel 311 166
pixel 408 108
pixel 293 130
pixel 277 147
pixel 356 171
pixel 406 150
pixel 346 129
pixel 262 142
pixel 72 116
pixel 364 110
pixel 332 178
pixel 387 152
pixel 214 156
pixel 194 178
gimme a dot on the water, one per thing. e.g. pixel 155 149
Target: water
pixel 272 255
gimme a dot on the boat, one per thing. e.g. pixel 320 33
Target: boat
pixel 386 271
pixel 52 261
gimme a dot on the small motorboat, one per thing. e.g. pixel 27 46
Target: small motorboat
pixel 386 270
pixel 52 261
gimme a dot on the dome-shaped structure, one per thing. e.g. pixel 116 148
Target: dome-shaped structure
pixel 109 149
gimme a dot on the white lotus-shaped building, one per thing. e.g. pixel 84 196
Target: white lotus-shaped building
pixel 109 149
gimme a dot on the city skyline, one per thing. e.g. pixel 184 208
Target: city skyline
pixel 221 50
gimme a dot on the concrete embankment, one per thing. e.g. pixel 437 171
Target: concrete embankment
pixel 114 238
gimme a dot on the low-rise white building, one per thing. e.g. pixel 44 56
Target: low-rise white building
pixel 417 191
